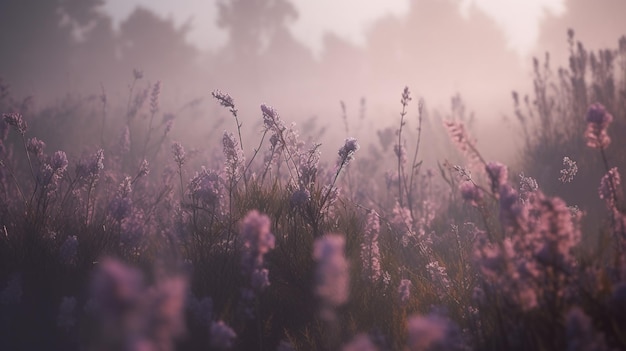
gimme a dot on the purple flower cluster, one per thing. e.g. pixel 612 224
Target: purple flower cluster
pixel 257 241
pixel 598 121
pixel 332 275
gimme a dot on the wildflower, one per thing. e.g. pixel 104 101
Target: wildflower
pixel 346 152
pixel 121 205
pixel 370 252
pixel 527 186
pixel 90 169
pixel 361 342
pixel 69 250
pixel 471 193
pixel 16 121
pixel 222 336
pixel 234 156
pixel 300 198
pixel 224 99
pixel 498 175
pixel 66 319
pixel 570 170
pixel 512 213
pixel 404 291
pixel 115 288
pixel 580 333
pixel 35 147
pixel 432 332
pixel 133 232
pixel 610 187
pixel 154 97
pixel 59 162
pixel 598 120
pixel 205 186
pixel 144 169
pixel 137 74
pixel 439 275
pixel 179 154
pixel 165 311
pixel 332 273
pixel 406 96
pixel 257 241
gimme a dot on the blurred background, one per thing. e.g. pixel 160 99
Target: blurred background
pixel 302 57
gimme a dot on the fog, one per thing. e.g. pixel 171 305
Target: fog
pixel 439 48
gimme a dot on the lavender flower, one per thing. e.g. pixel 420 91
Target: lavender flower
pixel 527 186
pixel 205 186
pixel 154 97
pixel 257 241
pixel 498 175
pixel 580 333
pixel 137 74
pixel 471 193
pixel 222 336
pixel 432 332
pixel 59 162
pixel 370 252
pixel 346 152
pixel 610 187
pixel 234 156
pixel 35 147
pixel 332 273
pixel 439 276
pixel 224 99
pixel 361 342
pixel 179 154
pixel 570 170
pixel 404 291
pixel 598 121
pixel 16 121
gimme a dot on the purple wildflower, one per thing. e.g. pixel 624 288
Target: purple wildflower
pixel 471 193
pixel 598 120
pixel 498 175
pixel 154 97
pixel 404 291
pixel 610 187
pixel 35 147
pixel 580 333
pixel 432 332
pixel 570 170
pixel 16 121
pixel 370 252
pixel 346 152
pixel 224 99
pixel 205 186
pixel 222 336
pixel 179 154
pixel 257 241
pixel 332 274
pixel 361 342
pixel 234 156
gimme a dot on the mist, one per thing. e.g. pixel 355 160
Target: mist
pixel 62 48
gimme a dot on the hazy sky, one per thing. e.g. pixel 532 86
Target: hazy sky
pixel 519 19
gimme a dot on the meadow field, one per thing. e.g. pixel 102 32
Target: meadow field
pixel 117 233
